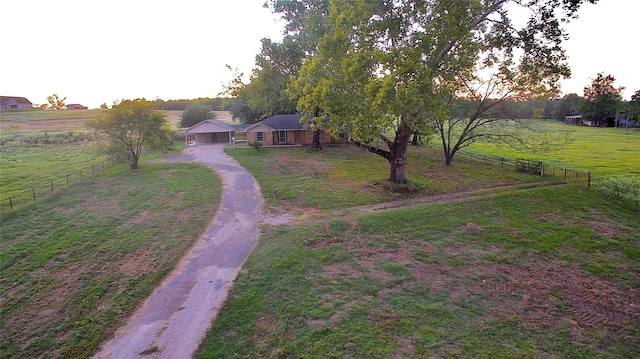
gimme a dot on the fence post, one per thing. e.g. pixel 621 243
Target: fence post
pixel 51 186
pixel 541 169
pixel 588 179
pixel 564 176
pixel 33 190
pixel 10 203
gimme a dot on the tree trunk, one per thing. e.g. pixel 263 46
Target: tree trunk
pixel 315 144
pixel 398 153
pixel 417 140
pixel 447 158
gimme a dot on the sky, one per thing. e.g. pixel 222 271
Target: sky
pixel 99 51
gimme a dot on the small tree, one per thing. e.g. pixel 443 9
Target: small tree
pixel 194 114
pixel 132 127
pixel 55 102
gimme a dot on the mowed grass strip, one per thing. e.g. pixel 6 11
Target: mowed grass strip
pixel 75 265
pixel 293 179
pixel 547 272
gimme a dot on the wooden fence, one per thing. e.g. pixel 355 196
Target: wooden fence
pixel 30 195
pixel 567 174
pixel 531 166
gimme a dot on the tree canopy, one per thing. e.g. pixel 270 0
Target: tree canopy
pixel 602 98
pixel 265 94
pixel 131 127
pixel 195 113
pixel 395 65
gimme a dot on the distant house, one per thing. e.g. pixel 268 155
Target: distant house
pixel 575 120
pixel 75 106
pixel 210 131
pixel 287 130
pixel 10 103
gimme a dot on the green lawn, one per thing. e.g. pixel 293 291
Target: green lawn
pixel 550 272
pixel 346 176
pixel 75 264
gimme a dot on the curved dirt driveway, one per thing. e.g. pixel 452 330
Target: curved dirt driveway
pixel 173 320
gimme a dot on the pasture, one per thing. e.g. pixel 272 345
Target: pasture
pixel 603 151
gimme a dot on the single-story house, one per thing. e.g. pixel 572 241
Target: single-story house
pixel 76 106
pixel 210 131
pixel 11 102
pixel 287 130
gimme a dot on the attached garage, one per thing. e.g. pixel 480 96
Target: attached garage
pixel 210 131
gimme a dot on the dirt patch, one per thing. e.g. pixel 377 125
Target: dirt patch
pixel 605 225
pixel 286 164
pixel 470 227
pixel 538 292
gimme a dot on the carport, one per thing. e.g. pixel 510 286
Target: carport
pixel 209 131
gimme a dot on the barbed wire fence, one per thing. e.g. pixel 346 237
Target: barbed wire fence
pixel 32 194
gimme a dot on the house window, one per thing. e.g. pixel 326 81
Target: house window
pixel 283 136
pixel 260 136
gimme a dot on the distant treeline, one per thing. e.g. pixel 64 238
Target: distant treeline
pixel 216 104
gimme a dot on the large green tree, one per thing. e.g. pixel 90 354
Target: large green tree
pixel 395 65
pixel 602 99
pixel 131 127
pixel 265 93
pixel 195 113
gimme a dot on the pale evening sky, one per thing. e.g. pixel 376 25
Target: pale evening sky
pixel 95 52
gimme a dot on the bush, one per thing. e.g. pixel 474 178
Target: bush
pixel 194 114
pixel 627 188
pixel 255 144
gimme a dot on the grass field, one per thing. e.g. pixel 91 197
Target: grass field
pixel 38 146
pixel 546 272
pixel 603 151
pixel 75 265
pixel 345 176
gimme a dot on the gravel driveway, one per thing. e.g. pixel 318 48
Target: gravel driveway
pixel 173 320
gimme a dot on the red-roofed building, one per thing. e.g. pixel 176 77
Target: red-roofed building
pixel 10 103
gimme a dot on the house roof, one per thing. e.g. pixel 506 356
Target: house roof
pixel 22 100
pixel 241 127
pixel 208 126
pixel 282 123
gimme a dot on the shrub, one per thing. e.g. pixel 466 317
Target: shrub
pixel 624 187
pixel 255 144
